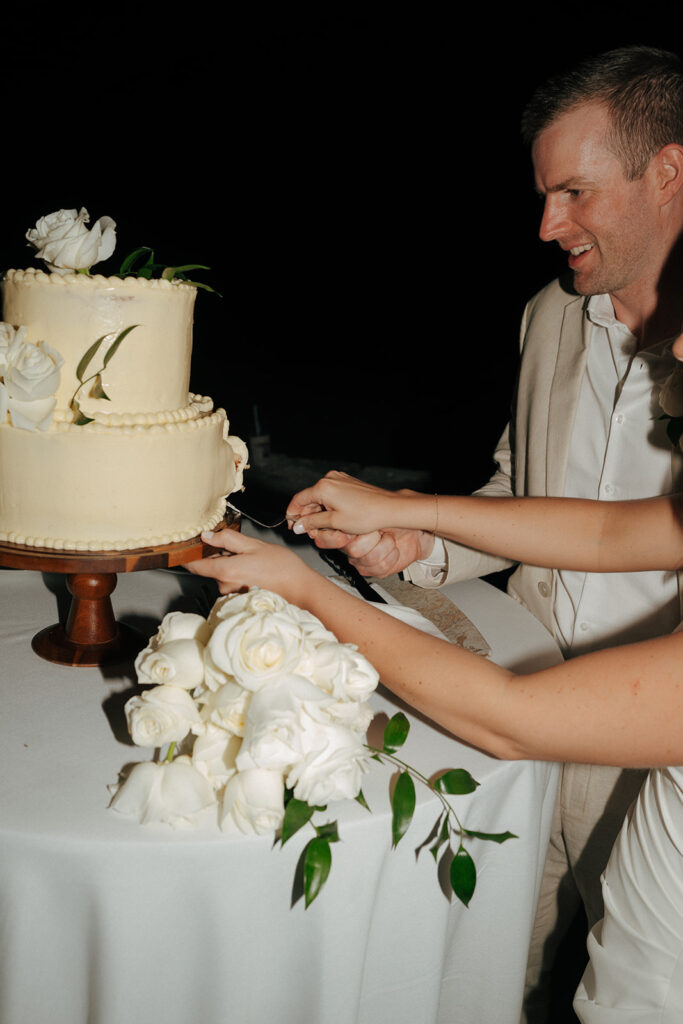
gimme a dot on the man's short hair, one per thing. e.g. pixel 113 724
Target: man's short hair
pixel 643 90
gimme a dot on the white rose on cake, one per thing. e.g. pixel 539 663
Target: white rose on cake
pixel 30 378
pixel 8 335
pixel 66 244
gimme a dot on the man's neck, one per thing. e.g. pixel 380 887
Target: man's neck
pixel 652 314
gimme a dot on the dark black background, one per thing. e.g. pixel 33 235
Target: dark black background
pixel 355 182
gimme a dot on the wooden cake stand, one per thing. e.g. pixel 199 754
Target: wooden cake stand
pixel 92 636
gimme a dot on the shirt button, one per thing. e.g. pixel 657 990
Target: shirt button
pixel 584 627
pixel 608 489
pixel 544 589
pixel 619 418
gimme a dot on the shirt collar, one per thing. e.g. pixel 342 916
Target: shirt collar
pixel 600 311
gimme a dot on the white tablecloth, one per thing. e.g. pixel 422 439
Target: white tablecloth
pixel 103 921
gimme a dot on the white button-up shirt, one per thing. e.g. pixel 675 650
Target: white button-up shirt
pixel 619 450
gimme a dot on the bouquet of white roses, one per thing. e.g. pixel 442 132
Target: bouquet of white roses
pixel 260 699
pixel 264 714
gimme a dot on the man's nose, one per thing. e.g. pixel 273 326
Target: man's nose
pixel 554 220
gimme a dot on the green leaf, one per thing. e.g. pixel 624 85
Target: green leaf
pixel 443 837
pixel 329 831
pixel 97 391
pixel 317 864
pixel 456 781
pixel 463 875
pixel 87 358
pixel 402 806
pixel 135 257
pixel 494 837
pixel 362 801
pixel 297 814
pixel 395 733
pixel 111 351
pixel 204 287
pixel 170 272
pixel 80 419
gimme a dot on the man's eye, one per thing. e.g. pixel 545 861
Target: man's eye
pixel 574 193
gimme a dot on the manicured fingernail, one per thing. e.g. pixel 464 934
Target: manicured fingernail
pixel 208 535
pixel 298 528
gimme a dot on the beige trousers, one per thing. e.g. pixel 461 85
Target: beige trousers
pixel 591 805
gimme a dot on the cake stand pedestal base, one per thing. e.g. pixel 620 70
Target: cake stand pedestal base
pixel 91 634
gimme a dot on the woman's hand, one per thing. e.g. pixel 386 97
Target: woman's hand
pixel 253 564
pixel 345 505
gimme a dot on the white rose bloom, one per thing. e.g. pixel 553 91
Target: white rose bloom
pixel 352 714
pixel 179 662
pixel 214 677
pixel 254 600
pixel 164 714
pixel 273 728
pixel 8 335
pixel 671 395
pixel 35 415
pixel 332 766
pixel 65 243
pixel 253 803
pixel 31 371
pixel 341 671
pixel 256 647
pixel 226 707
pixel 214 753
pixel 175 793
pixel 181 626
pixel 241 454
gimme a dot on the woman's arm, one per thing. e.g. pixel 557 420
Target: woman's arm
pixel 562 533
pixel 623 706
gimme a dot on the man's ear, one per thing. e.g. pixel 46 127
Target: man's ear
pixel 667 166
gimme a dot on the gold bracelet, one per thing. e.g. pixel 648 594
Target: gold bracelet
pixel 436 524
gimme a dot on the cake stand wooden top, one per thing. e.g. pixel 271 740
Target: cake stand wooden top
pixel 162 556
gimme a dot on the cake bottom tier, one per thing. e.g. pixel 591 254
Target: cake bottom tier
pixel 96 487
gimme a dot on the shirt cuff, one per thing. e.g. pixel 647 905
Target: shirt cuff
pixel 429 572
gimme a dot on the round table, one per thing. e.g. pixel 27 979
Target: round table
pixel 104 921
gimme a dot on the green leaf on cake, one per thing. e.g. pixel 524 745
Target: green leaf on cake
pixel 88 357
pixel 97 389
pixel 111 351
pixel 80 419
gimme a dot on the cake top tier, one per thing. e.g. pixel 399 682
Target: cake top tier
pixel 70 312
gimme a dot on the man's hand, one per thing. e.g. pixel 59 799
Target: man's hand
pixel 380 553
pixel 373 547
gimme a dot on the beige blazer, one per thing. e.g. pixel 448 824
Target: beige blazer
pixel 533 450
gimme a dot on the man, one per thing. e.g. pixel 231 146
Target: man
pixel 607 149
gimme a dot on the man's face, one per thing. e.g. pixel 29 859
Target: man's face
pixel 606 223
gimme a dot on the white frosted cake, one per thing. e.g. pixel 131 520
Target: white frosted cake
pixel 149 463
